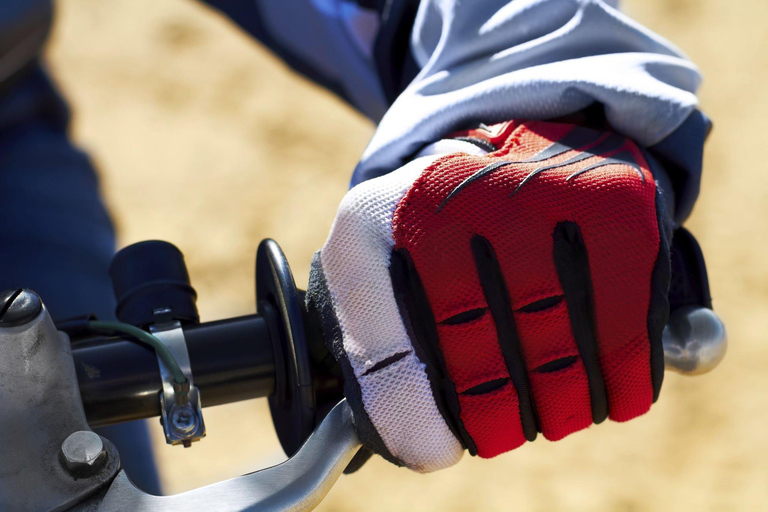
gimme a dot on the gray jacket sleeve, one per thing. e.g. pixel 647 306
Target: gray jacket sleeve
pixel 493 60
pixel 423 68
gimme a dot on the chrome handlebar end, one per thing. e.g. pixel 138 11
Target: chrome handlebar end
pixel 694 341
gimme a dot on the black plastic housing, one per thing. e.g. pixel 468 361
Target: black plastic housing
pixel 151 285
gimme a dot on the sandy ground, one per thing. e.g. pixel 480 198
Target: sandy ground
pixel 194 127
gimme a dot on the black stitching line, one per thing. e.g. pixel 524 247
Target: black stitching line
pixel 387 361
pixel 576 139
pixel 486 387
pixel 620 158
pixel 611 143
pixel 465 317
pixel 541 305
pixel 556 364
pixel 476 176
pixel 480 143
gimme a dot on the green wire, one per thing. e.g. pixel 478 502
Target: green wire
pixel 145 337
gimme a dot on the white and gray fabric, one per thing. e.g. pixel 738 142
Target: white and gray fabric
pixel 396 398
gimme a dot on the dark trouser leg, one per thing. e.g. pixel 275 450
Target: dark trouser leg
pixel 55 234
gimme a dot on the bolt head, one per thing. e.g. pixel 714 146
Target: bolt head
pixel 83 453
pixel 18 306
pixel 183 419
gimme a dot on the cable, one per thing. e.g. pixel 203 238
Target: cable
pixel 145 337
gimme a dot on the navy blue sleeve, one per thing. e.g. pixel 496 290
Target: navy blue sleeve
pixel 55 234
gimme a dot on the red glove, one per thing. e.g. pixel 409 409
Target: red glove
pixel 512 281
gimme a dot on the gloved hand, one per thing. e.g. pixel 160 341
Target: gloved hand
pixel 508 281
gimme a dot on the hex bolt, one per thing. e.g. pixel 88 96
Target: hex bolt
pixel 83 453
pixel 183 420
pixel 18 306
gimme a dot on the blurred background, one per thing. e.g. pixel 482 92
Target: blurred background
pixel 194 128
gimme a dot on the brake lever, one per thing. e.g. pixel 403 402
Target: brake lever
pixel 299 483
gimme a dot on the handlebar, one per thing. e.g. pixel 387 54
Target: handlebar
pixel 232 360
pixel 54 391
pixel 274 353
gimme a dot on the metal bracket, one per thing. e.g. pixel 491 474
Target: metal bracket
pixel 182 419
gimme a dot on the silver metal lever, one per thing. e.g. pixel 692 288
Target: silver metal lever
pixel 694 341
pixel 297 484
